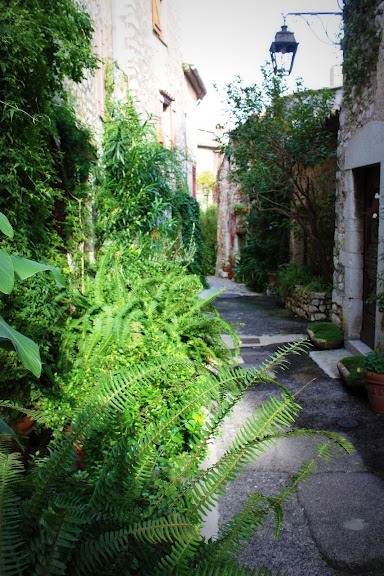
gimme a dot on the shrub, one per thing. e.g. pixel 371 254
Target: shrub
pixel 144 190
pixel 250 269
pixel 291 275
pixel 135 310
pixel 44 45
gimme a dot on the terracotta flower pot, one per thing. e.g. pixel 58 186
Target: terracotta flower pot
pixel 24 427
pixel 374 384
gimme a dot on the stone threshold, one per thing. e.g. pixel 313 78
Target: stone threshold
pixel 250 341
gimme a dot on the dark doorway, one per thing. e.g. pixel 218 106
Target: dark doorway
pixel 367 181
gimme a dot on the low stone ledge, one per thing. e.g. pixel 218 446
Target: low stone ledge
pixel 314 306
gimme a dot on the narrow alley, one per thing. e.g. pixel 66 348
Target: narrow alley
pixel 334 525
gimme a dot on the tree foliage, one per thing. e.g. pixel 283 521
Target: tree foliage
pixel 144 191
pixel 208 218
pixel 44 42
pixel 282 146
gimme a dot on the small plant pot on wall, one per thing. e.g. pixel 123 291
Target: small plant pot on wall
pixel 325 335
pixel 374 384
pixel 24 427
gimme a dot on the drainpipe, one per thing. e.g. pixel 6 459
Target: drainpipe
pixel 114 51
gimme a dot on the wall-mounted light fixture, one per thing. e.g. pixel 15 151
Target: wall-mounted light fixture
pixel 284 47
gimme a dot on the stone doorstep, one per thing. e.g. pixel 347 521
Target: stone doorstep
pixel 326 359
pixel 265 340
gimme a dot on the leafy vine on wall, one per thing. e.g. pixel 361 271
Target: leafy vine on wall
pixel 360 44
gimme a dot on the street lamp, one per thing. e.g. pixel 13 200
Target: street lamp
pixel 283 49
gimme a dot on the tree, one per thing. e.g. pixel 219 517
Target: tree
pixel 283 149
pixel 206 182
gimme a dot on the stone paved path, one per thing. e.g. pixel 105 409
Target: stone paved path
pixel 334 525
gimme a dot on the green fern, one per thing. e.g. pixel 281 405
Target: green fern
pixel 13 558
pixel 136 512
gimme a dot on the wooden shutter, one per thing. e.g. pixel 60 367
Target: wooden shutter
pixel 156 22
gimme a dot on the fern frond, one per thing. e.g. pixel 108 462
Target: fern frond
pixel 12 549
pixel 142 459
pixel 165 529
pixel 326 451
pixel 107 399
pixel 119 487
pixel 180 555
pixel 272 416
pixel 235 533
pixel 230 569
pixel 98 552
pixel 36 415
pixel 61 527
pixel 278 513
pixel 279 359
pixel 56 467
pixel 259 432
pixel 198 451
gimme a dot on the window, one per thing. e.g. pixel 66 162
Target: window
pixel 165 130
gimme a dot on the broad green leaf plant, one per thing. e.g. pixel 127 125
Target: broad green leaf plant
pixel 13 268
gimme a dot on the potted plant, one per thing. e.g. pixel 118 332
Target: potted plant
pixel 373 375
pixel 350 369
pixel 225 269
pixel 325 335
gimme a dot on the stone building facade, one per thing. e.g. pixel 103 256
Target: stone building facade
pixel 142 40
pixel 359 237
pixel 229 223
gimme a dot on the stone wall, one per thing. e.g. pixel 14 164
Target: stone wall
pixel 89 95
pixel 227 225
pixel 149 66
pixel 314 306
pixel 361 145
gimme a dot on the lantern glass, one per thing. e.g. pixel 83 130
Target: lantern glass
pixel 283 51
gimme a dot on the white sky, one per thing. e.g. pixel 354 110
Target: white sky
pixel 226 38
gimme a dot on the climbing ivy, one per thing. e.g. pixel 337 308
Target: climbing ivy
pixel 360 44
pixel 188 211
